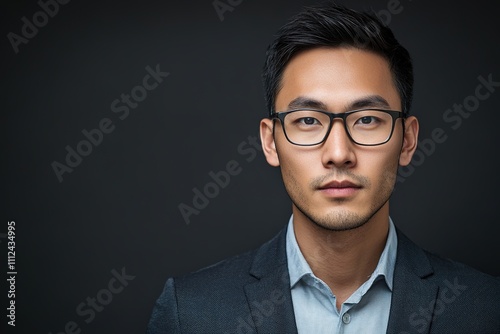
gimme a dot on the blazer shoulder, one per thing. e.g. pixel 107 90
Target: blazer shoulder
pixel 468 293
pixel 438 268
pixel 446 267
pixel 436 294
pixel 213 297
pixel 232 269
pixel 239 269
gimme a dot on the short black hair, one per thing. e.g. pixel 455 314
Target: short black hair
pixel 332 25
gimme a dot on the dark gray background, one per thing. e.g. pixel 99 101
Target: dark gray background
pixel 119 207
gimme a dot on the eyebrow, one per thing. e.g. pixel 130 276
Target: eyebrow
pixel 305 102
pixel 373 101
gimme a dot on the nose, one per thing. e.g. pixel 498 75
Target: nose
pixel 338 149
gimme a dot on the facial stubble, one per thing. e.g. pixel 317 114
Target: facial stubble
pixel 339 219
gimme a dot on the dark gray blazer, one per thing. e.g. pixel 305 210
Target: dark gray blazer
pixel 250 293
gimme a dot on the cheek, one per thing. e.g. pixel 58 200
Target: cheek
pixel 297 167
pixel 379 167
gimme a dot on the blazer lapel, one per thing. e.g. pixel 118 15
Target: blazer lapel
pixel 413 295
pixel 269 297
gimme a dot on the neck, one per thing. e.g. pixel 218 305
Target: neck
pixel 344 260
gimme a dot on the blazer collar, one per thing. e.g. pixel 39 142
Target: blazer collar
pixel 413 295
pixel 269 296
pixel 270 300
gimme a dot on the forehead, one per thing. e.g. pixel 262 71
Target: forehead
pixel 337 77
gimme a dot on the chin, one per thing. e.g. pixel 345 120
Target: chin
pixel 339 220
pixel 345 223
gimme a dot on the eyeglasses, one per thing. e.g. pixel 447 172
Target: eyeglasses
pixel 367 127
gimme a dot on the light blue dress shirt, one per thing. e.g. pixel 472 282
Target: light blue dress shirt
pixel 314 304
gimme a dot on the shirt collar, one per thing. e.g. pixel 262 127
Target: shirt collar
pixel 298 266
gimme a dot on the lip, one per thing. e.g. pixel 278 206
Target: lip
pixel 339 189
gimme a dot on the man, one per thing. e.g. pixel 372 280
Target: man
pixel 339 89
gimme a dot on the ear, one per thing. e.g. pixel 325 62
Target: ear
pixel 409 141
pixel 268 143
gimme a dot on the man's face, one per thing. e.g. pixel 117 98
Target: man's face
pixel 338 184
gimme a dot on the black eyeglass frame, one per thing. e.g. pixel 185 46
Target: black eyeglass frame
pixel 394 114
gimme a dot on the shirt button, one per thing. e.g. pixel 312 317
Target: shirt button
pixel 346 318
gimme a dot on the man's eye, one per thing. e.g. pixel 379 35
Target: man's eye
pixel 308 121
pixel 367 119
